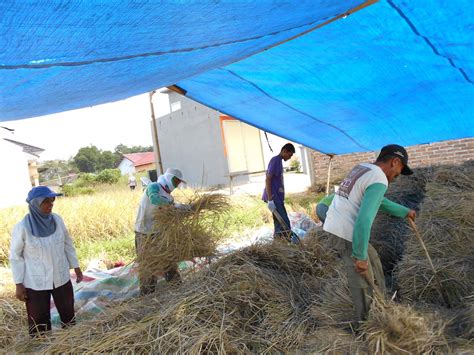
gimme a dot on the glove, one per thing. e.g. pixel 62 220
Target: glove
pixel 271 206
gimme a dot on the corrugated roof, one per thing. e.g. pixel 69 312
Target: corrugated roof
pixel 140 158
pixel 27 148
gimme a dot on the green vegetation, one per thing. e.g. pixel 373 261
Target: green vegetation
pixel 87 183
pixel 108 176
pixel 91 159
pixel 295 164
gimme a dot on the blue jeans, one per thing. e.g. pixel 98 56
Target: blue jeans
pixel 279 229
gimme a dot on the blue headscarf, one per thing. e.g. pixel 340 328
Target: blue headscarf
pixel 41 224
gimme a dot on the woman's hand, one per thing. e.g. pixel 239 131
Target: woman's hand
pixel 20 292
pixel 79 275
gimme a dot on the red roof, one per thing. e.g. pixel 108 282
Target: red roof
pixel 140 158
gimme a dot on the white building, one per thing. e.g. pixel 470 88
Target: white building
pixel 210 147
pixel 18 170
pixel 136 162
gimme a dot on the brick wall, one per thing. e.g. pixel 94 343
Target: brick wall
pixel 446 152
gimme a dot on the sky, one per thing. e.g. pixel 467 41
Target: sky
pixel 105 126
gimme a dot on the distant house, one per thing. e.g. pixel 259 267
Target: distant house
pixel 19 170
pixel 136 162
pixel 32 153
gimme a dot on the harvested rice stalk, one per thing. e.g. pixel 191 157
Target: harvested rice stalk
pixel 333 305
pixel 333 340
pixel 211 202
pixel 254 300
pixel 446 223
pixel 183 234
pixel 13 321
pixel 465 320
pixel 396 328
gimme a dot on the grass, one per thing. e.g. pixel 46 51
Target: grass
pixel 107 251
pixel 102 224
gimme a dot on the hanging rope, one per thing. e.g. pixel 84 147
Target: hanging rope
pixel 268 142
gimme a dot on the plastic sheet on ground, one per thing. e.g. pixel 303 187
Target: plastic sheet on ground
pixel 100 287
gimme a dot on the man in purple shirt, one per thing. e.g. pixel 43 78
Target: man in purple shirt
pixel 274 193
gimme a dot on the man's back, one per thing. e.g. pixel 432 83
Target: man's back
pixel 344 209
pixel 275 171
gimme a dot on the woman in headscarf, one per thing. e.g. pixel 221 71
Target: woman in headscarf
pixel 156 194
pixel 41 255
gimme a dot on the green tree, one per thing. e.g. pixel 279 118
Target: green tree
pixel 123 149
pixel 108 160
pixel 88 159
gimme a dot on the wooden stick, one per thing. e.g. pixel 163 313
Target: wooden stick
pixel 377 291
pixel 291 233
pixel 435 273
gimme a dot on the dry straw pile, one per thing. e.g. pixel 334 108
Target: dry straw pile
pixel 282 298
pixel 446 223
pixel 184 234
pixel 12 321
pixel 255 300
pixel 396 328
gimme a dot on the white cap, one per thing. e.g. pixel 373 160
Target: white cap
pixel 176 173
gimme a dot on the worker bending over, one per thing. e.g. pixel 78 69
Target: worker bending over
pixel 350 217
pixel 156 195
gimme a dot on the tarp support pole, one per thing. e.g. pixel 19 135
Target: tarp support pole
pixel 329 173
pixel 155 135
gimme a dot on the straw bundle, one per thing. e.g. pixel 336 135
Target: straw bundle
pixel 462 325
pixel 12 320
pixel 333 340
pixel 183 234
pixel 255 300
pixel 333 305
pixel 397 328
pixel 446 224
pixel 389 233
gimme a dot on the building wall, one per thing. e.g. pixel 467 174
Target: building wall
pixel 441 153
pixel 146 167
pixel 126 167
pixel 15 177
pixel 33 170
pixel 190 139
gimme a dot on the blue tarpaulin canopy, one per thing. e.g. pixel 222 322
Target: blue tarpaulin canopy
pixel 395 71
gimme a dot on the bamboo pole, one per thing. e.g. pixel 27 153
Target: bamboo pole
pixel 329 173
pixel 435 273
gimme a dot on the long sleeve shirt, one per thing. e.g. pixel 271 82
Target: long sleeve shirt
pixel 355 205
pixel 154 197
pixel 42 263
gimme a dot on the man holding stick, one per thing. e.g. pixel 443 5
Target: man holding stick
pixel 350 217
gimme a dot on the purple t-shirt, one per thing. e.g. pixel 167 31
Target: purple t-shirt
pixel 275 171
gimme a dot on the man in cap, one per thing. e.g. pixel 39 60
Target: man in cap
pixel 156 195
pixel 350 217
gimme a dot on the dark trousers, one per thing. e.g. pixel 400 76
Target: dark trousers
pixel 38 306
pixel 361 290
pixel 281 230
pixel 321 211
